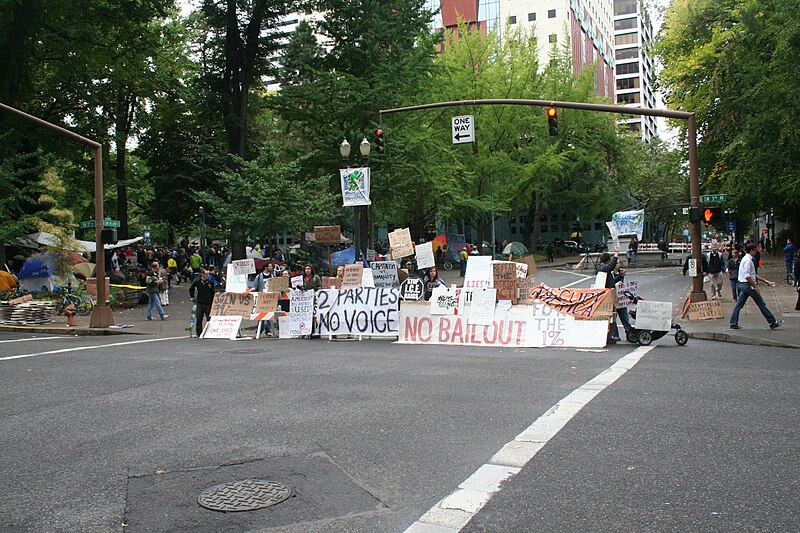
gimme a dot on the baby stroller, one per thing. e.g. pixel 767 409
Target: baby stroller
pixel 645 336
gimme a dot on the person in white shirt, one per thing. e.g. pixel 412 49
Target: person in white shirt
pixel 748 289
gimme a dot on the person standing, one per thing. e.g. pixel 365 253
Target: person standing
pixel 153 283
pixel 204 289
pixel 748 289
pixel 311 280
pixel 716 266
pixel 788 256
pixel 609 265
pixel 733 272
pixel 260 284
pixel 463 256
pixel 551 252
pixel 432 280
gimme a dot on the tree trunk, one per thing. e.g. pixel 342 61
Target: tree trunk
pixel 123 123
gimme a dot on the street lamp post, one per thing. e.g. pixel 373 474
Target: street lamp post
pixel 344 150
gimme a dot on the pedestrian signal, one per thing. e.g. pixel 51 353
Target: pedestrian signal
pixel 712 215
pixel 552 120
pixel 379 142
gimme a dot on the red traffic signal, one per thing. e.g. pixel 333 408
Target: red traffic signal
pixel 552 120
pixel 379 141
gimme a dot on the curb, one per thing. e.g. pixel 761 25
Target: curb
pixel 64 330
pixel 724 337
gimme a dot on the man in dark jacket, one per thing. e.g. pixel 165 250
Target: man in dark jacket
pixel 204 299
pixel 608 265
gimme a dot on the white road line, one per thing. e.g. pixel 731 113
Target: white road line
pixel 81 348
pixel 34 339
pixel 454 511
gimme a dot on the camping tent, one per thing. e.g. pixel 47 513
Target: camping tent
pixel 38 274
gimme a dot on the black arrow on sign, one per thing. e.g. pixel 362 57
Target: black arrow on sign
pixel 458 136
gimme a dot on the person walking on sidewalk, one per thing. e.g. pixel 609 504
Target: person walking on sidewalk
pixel 205 297
pixel 748 289
pixel 716 267
pixel 733 272
pixel 154 282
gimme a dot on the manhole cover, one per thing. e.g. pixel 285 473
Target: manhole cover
pixel 244 495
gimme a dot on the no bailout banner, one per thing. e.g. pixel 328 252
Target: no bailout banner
pixel 363 311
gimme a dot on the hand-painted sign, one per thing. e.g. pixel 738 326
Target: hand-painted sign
pixel 362 311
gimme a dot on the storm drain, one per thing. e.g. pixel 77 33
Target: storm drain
pixel 243 495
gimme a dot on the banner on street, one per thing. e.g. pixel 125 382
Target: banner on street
pixel 579 303
pixel 222 327
pixel 629 222
pixel 361 311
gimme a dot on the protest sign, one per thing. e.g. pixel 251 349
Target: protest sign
pixel 329 282
pixel 600 280
pixel 425 257
pixel 412 289
pixel 266 303
pixel 235 282
pixel 481 310
pixel 278 284
pixel 479 272
pixel 232 304
pixel 522 270
pixel 623 287
pixel 384 274
pixel 301 312
pixel 654 315
pixel 244 266
pixel 371 255
pixel 614 235
pixel 445 301
pixel 505 280
pixel 366 278
pixel 361 311
pixel 352 276
pixel 707 310
pixel 580 303
pixel 524 288
pixel 531 265
pixel 296 281
pixel 629 222
pixel 323 234
pixel 519 326
pixel 222 327
pixel 355 186
pixel 400 243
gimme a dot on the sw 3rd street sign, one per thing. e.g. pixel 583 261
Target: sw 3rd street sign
pixel 463 129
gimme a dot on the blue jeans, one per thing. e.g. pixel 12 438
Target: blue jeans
pixel 745 292
pixel 155 301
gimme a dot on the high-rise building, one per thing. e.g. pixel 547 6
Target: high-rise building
pixel 633 36
pixel 587 24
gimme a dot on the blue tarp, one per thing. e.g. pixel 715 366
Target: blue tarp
pixel 344 257
pixel 37 266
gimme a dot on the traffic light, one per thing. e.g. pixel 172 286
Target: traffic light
pixel 712 215
pixel 379 141
pixel 552 120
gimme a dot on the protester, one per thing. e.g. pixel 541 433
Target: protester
pixel 153 281
pixel 195 261
pixel 172 266
pixel 165 285
pixel 610 265
pixel 733 272
pixel 339 277
pixel 715 269
pixel 788 256
pixel 633 248
pixel 204 289
pixel 432 280
pixel 311 280
pixel 260 282
pixel 463 256
pixel 748 289
pixel 551 252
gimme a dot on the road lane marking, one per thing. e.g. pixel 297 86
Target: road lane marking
pixel 81 348
pixel 35 339
pixel 454 511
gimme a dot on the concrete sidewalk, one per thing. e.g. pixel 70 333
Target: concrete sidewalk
pixel 780 299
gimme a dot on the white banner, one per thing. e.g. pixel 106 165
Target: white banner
pixel 222 327
pixel 244 266
pixel 355 186
pixel 301 312
pixel 424 253
pixel 654 315
pixel 364 311
pixel 629 222
pixel 535 326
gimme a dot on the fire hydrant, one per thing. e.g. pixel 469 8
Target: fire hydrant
pixel 70 311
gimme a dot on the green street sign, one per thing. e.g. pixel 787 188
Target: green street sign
pixel 107 223
pixel 713 198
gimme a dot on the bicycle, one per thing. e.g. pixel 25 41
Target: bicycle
pixel 83 304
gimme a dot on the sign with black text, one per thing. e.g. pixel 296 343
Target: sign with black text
pixel 363 311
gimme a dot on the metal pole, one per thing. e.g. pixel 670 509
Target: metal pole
pixel 697 294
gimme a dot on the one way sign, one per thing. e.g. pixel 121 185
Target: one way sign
pixel 463 129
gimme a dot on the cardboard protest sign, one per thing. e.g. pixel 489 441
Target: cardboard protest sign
pixel 324 234
pixel 708 310
pixel 244 266
pixel 425 257
pixel 329 282
pixel 352 276
pixel 232 304
pixel 222 327
pixel 481 310
pixel 400 243
pixel 524 288
pixel 235 282
pixel 361 311
pixel 355 186
pixel 654 315
pixel 580 303
pixel 301 312
pixel 530 262
pixel 279 283
pixel 505 280
pixel 479 272
pixel 384 273
pixel 266 302
pixel 445 301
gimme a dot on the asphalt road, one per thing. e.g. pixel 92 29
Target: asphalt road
pixel 123 433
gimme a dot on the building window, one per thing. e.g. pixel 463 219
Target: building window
pixel 630 98
pixel 627 53
pixel 543 229
pixel 625 24
pixel 625 7
pixel 531 17
pixel 628 68
pixel 512 19
pixel 628 38
pixel 635 126
pixel 551 13
pixel 627 83
pixel 552 38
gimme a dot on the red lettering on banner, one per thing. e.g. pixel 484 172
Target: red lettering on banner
pixel 458 332
pixel 520 324
pixel 494 327
pixel 411 329
pixel 500 329
pixel 422 336
pixel 444 329
pixel 472 338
